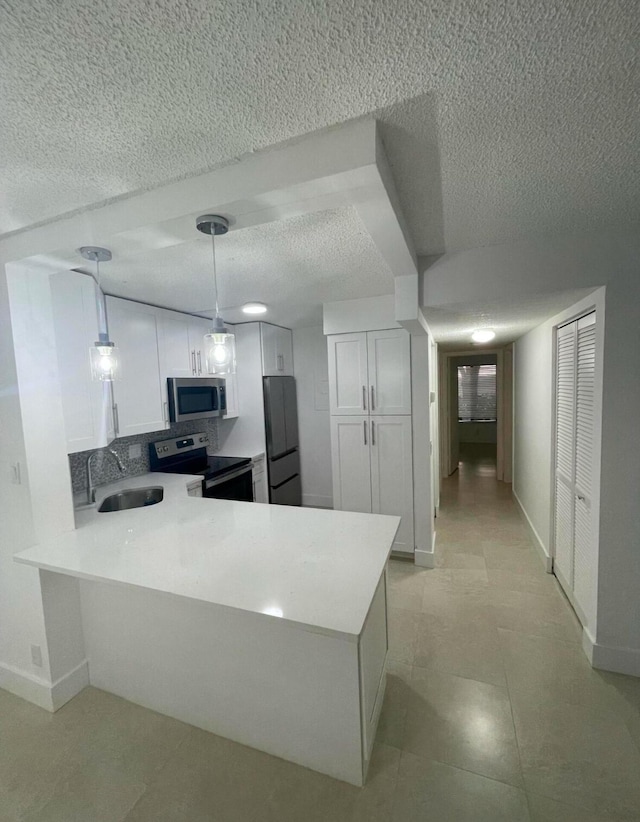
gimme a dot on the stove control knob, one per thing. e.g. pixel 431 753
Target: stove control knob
pixel 204 439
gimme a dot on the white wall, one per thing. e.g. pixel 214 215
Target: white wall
pixel 515 272
pixel 21 609
pixel 311 369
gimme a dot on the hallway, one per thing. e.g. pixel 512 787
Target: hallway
pixel 490 697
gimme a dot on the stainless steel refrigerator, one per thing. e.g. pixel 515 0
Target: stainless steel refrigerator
pixel 281 422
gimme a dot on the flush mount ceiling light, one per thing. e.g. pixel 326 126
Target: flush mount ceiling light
pixel 254 308
pixel 103 354
pixel 219 344
pixel 483 335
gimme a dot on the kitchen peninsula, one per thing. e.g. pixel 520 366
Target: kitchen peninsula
pixel 265 624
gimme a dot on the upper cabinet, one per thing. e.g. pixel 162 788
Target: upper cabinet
pixel 277 351
pixel 86 405
pixel 140 404
pixel 370 373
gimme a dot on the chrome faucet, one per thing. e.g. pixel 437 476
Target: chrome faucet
pixel 91 489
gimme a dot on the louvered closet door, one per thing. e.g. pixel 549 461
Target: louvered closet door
pixel 584 541
pixel 565 452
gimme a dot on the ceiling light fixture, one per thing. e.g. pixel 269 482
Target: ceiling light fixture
pixel 483 335
pixel 103 354
pixel 219 344
pixel 254 308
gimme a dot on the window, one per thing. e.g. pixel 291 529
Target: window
pixel 477 393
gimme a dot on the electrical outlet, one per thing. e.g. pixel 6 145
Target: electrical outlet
pixel 36 655
pixel 135 451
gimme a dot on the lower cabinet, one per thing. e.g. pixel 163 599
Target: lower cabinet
pixel 260 489
pixel 372 464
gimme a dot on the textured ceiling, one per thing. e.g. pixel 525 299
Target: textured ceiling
pixel 452 326
pixel 503 119
pixel 293 266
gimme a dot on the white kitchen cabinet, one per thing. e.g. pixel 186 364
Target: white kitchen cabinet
pixel 174 344
pixel 351 463
pixel 86 404
pixel 389 367
pixel 391 444
pixel 372 465
pixel 259 475
pixel 277 351
pixel 139 401
pixel 348 374
pixel 198 327
pixel 370 372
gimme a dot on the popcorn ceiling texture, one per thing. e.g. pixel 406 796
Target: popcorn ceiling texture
pixel 105 469
pixel 522 115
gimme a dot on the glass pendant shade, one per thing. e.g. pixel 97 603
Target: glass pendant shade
pixel 105 361
pixel 220 350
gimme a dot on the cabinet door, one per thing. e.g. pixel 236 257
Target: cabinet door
pixel 277 351
pixel 260 489
pixel 348 378
pixel 389 358
pixel 173 345
pixel 284 352
pixel 198 327
pixel 139 403
pixel 565 453
pixel 351 464
pixel 86 405
pixel 392 474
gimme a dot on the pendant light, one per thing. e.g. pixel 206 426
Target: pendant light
pixel 219 344
pixel 103 355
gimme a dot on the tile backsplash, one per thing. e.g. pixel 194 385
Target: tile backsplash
pixel 104 468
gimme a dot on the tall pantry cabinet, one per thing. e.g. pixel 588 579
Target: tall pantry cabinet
pixel 371 427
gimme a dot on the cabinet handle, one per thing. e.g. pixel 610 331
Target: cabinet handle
pixel 116 418
pixel 581 498
pixel 364 429
pixel 364 397
pixel 373 400
pixel 165 409
pixel 193 362
pixel 373 433
pixel 199 362
pixel 280 359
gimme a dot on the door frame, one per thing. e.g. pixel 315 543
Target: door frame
pixel 504 408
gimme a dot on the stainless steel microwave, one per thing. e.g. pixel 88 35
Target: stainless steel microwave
pixel 194 398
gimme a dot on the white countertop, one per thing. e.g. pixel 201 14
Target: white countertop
pixel 314 568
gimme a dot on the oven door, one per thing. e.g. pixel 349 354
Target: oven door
pixel 195 399
pixel 237 485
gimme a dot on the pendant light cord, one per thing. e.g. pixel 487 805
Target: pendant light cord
pixel 215 273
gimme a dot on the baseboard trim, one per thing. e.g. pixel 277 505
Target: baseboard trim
pixel 610 658
pixel 49 696
pixel 317 501
pixel 425 559
pixel 70 684
pixel 547 561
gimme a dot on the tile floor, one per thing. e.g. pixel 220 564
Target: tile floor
pixel 492 713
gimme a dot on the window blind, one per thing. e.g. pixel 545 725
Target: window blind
pixel 476 393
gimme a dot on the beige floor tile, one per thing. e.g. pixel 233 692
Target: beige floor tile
pixel 402 634
pixel 536 664
pixel 429 791
pixel 543 809
pixel 463 723
pixel 514 581
pixel 547 616
pixel 100 791
pixel 210 778
pixel 581 755
pixel 460 646
pixel 513 558
pixel 448 558
pixel 301 794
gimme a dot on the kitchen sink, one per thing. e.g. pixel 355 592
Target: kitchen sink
pixel 132 498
